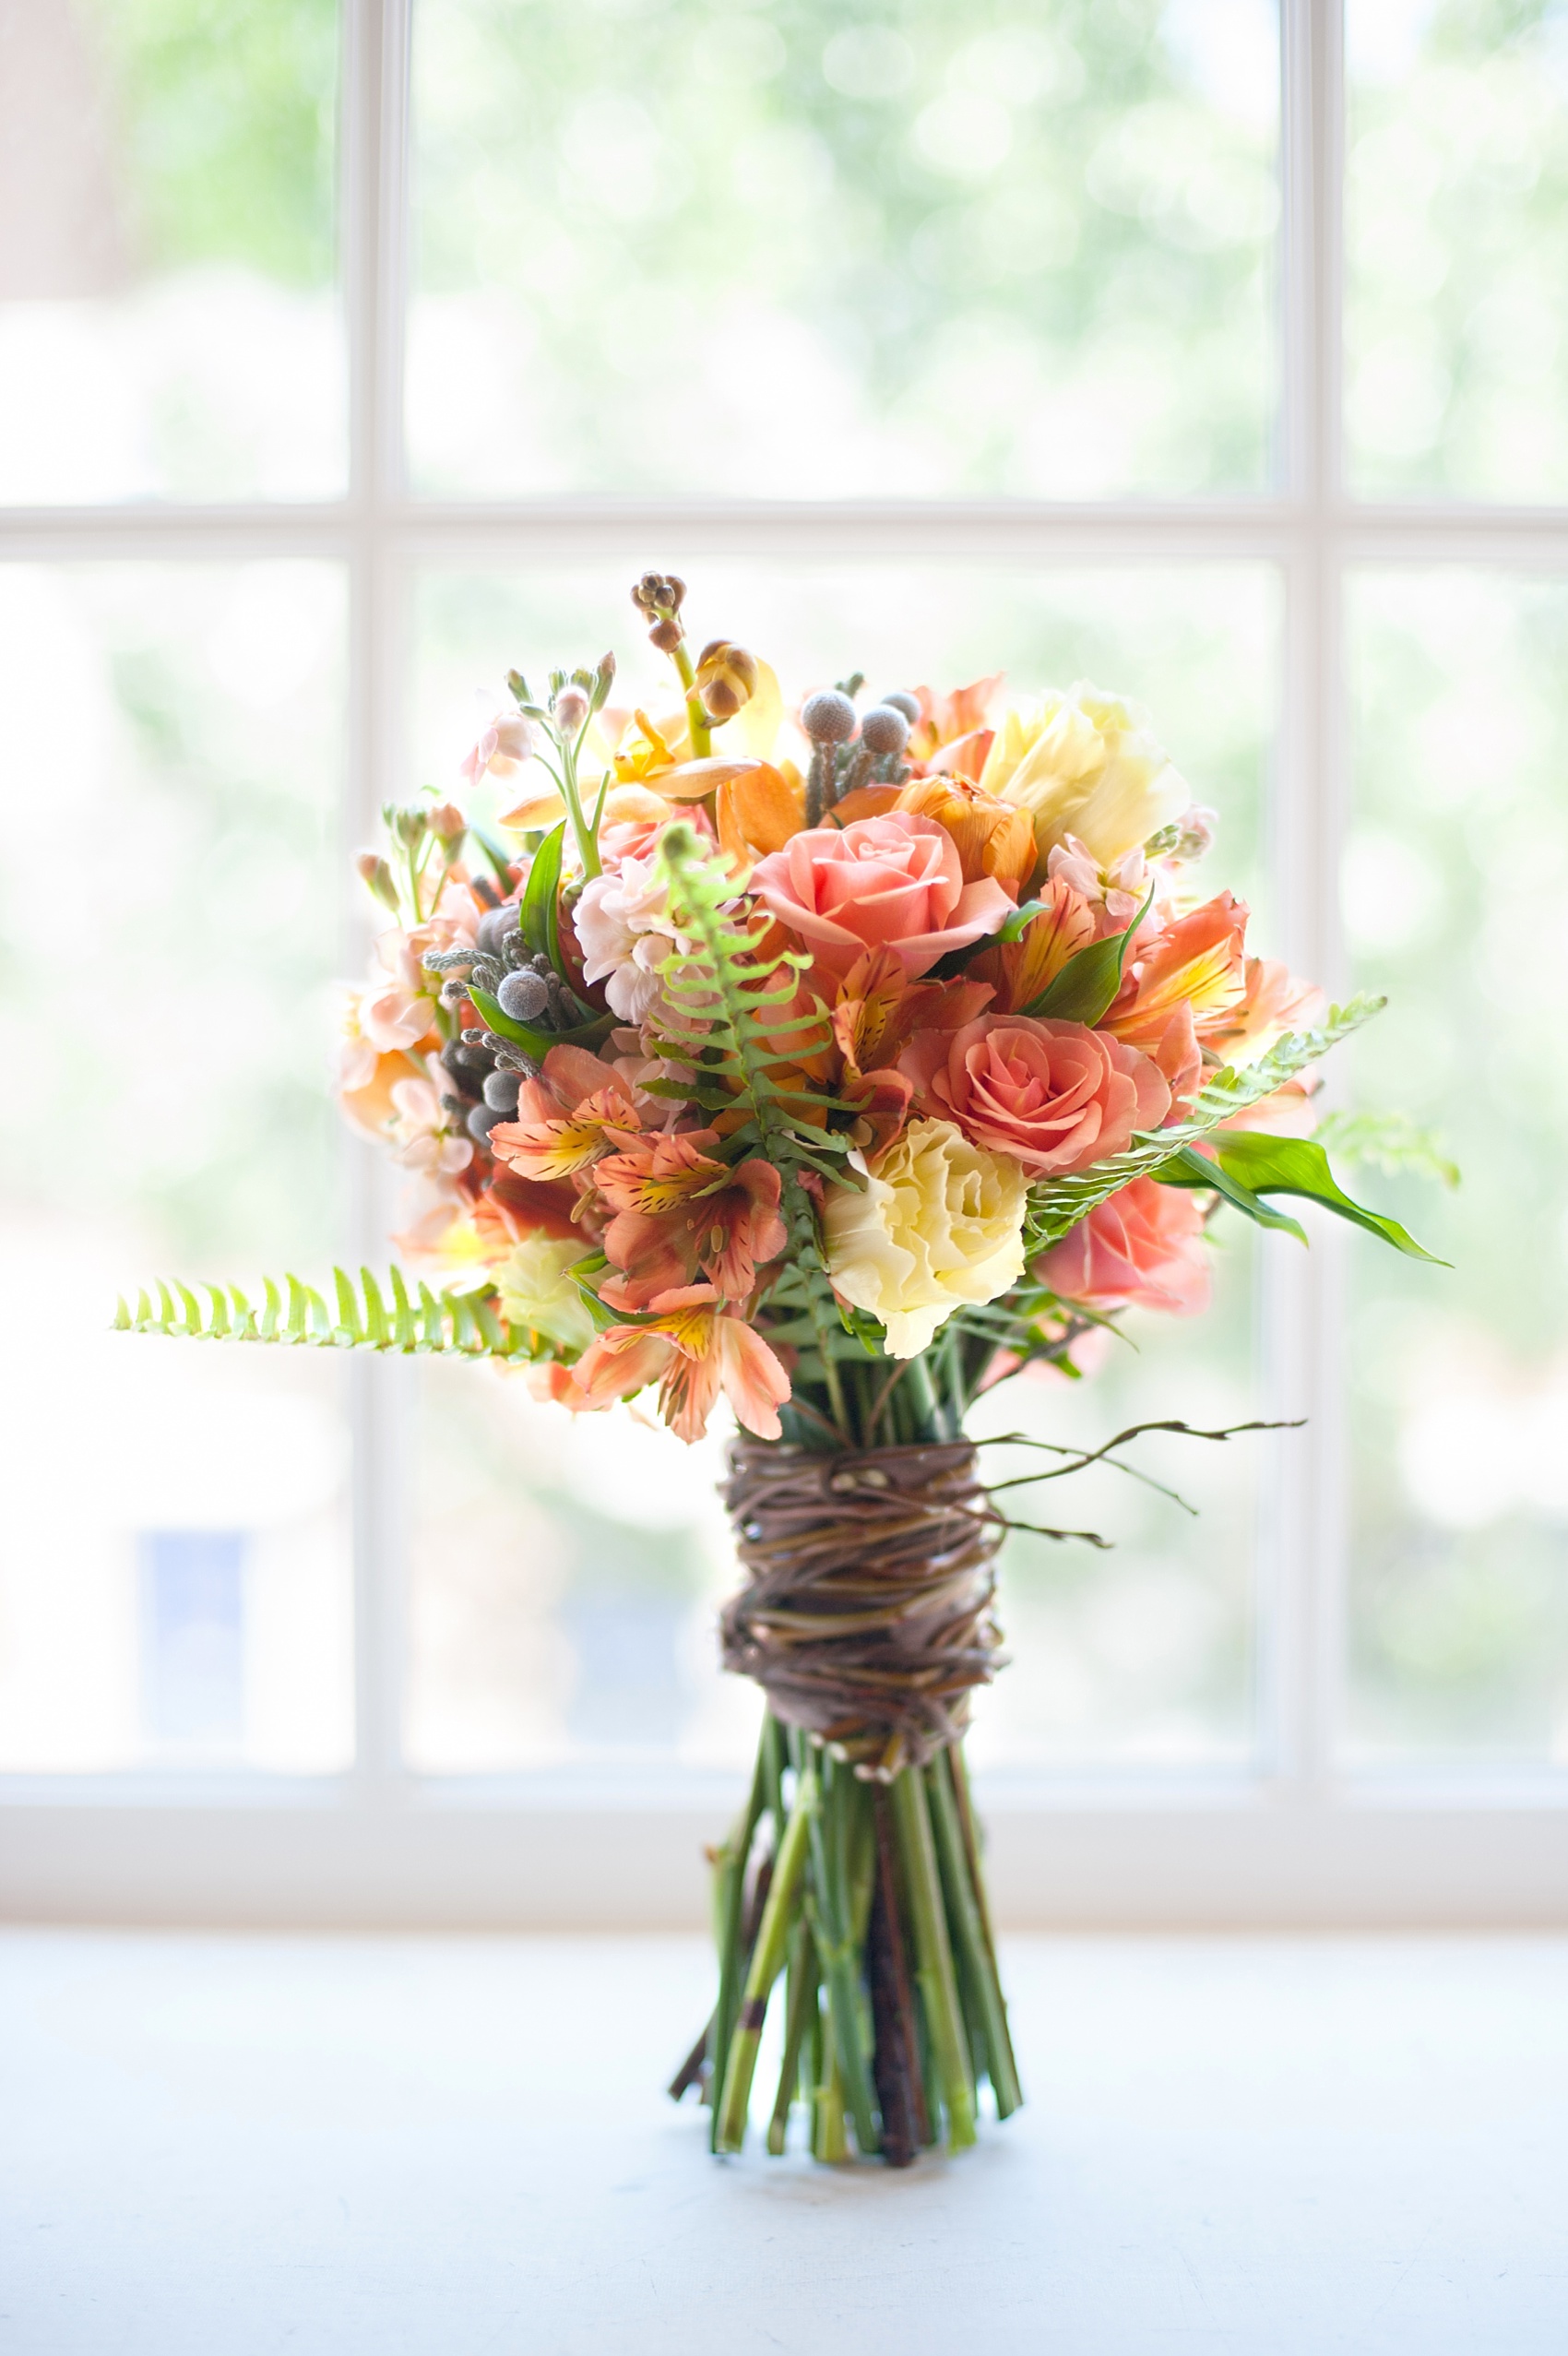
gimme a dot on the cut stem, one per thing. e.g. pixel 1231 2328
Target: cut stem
pixel 768 1959
pixel 934 1956
pixel 963 1909
pixel 802 2010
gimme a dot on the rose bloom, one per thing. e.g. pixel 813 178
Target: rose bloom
pixel 1140 1250
pixel 1084 764
pixel 893 882
pixel 1054 1095
pixel 940 1222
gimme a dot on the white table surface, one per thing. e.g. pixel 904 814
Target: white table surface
pixel 439 2147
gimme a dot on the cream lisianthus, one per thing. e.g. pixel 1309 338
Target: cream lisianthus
pixel 1084 764
pixel 537 1291
pixel 940 1222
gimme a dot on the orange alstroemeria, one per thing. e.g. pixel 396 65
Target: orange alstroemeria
pixel 1197 962
pixel 678 1208
pixel 567 1118
pixel 693 1347
pixel 1020 969
pixel 993 839
pixel 943 719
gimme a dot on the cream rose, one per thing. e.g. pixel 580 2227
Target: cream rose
pixel 1084 764
pixel 940 1222
pixel 536 1289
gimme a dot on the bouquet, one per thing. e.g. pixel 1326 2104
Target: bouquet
pixel 846 1059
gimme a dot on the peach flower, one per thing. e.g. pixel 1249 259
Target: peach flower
pixel 1141 1249
pixel 892 882
pixel 1054 1095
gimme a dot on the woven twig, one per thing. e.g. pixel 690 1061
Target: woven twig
pixel 866 1615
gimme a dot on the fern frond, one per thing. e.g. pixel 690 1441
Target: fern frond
pixel 451 1324
pixel 1059 1203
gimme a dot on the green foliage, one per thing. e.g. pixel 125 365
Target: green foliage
pixel 228 115
pixel 1088 983
pixel 1246 1167
pixel 1057 1205
pixel 454 1323
pixel 1391 1142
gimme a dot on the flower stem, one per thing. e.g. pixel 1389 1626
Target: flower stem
pixel 729 1899
pixel 586 841
pixel 933 1954
pixel 803 2007
pixel 768 1958
pixel 979 1970
pixel 697 718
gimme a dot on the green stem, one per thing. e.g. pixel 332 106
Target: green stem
pixel 965 1915
pixel 696 719
pixel 587 844
pixel 768 1958
pixel 934 1956
pixel 728 1900
pixel 838 1953
pixel 828 2140
pixel 798 2019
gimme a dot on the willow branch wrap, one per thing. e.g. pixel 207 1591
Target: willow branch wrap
pixel 866 1615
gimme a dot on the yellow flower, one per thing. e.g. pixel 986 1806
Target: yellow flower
pixel 1084 764
pixel 939 1223
pixel 537 1291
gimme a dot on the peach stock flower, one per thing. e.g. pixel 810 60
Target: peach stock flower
pixel 426 1141
pixel 1054 1095
pixel 1141 1249
pixel 893 882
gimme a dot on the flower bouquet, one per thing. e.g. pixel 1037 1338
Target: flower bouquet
pixel 847 1059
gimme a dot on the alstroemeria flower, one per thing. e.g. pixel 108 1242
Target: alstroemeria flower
pixel 426 1140
pixel 1184 988
pixel 1142 1249
pixel 678 1208
pixel 693 1347
pixel 1054 1095
pixel 575 1110
pixel 893 882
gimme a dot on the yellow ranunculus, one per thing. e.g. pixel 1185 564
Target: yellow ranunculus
pixel 1084 764
pixel 940 1222
pixel 537 1291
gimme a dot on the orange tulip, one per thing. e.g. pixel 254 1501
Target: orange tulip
pixel 993 839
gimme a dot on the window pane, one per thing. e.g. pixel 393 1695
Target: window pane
pixel 1456 225
pixel 175 1572
pixel 808 250
pixel 578 1621
pixel 168 319
pixel 1459 1378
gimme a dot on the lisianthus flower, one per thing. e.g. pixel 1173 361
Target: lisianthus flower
pixel 693 1347
pixel 538 1294
pixel 678 1208
pixel 1141 1249
pixel 426 1140
pixel 576 1109
pixel 993 839
pixel 939 1222
pixel 1085 764
pixel 893 882
pixel 1055 1095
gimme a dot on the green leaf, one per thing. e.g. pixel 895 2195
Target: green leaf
pixel 537 909
pixel 1018 923
pixel 1190 1168
pixel 1088 982
pixel 1257 1165
pixel 538 1043
pixel 496 854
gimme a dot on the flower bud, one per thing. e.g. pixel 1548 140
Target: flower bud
pixel 828 718
pixel 448 825
pixel 571 709
pixel 659 593
pixel 666 636
pixel 727 677
pixel 373 871
pixel 409 825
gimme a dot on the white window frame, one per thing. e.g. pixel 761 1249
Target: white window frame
pixel 1295 1839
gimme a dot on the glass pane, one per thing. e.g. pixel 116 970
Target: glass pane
pixel 1457 226
pixel 174 1581
pixel 808 250
pixel 1459 1378
pixel 580 1622
pixel 168 319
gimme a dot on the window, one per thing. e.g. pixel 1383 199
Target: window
pixel 348 356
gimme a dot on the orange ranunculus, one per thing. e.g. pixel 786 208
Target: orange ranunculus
pixel 1141 1249
pixel 1056 1096
pixel 893 882
pixel 757 808
pixel 993 837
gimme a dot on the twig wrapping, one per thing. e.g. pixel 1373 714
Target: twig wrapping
pixel 867 1613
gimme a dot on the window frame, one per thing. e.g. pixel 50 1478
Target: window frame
pixel 1292 1838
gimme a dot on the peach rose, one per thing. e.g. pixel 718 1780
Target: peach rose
pixel 892 882
pixel 1141 1249
pixel 1054 1095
